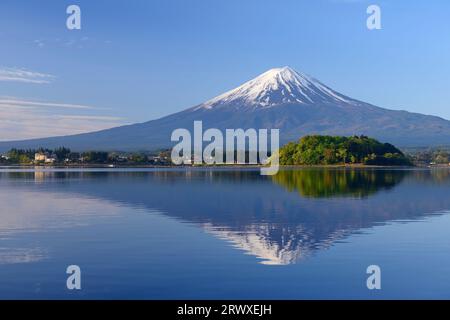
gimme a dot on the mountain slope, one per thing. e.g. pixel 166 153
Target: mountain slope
pixel 276 87
pixel 279 98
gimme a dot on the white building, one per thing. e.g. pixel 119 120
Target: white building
pixel 39 156
pixel 44 157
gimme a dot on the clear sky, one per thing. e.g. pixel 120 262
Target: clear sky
pixel 138 60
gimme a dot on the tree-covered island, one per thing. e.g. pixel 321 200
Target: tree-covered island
pixel 334 150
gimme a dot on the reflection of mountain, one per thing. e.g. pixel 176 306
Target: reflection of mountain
pixel 274 244
pixel 325 183
pixel 253 213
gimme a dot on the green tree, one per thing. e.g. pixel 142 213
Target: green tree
pixel 138 158
pixel 19 156
pixel 62 153
pixel 95 157
pixel 326 150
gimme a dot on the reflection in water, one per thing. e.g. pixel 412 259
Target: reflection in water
pixel 275 244
pixel 326 182
pixel 33 211
pixel 21 255
pixel 248 210
pixel 28 210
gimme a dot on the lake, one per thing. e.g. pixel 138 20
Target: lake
pixel 225 233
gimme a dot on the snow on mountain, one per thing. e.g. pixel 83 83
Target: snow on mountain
pixel 276 87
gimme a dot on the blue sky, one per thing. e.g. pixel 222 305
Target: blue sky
pixel 134 61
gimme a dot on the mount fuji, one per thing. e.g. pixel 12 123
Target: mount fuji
pixel 280 98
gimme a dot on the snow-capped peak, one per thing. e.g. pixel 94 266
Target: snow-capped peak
pixel 276 87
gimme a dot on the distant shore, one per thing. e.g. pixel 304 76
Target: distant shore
pixel 231 166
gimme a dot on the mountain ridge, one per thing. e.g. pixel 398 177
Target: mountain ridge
pixel 280 98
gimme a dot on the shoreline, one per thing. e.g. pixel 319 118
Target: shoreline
pixel 230 166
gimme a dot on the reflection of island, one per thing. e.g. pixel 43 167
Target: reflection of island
pixel 326 182
pixel 252 212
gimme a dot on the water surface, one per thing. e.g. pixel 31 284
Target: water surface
pixel 221 233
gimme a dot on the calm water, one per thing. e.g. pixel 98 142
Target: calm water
pixel 206 234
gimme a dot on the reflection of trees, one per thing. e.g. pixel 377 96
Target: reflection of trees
pixel 325 183
pixel 164 175
pixel 433 176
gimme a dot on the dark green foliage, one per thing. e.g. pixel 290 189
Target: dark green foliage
pixel 332 182
pixel 329 150
pixel 138 158
pixel 62 153
pixel 95 157
pixel 73 156
pixel 18 156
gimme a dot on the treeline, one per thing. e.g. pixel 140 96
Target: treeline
pixel 330 150
pixel 66 156
pixel 431 156
pixel 24 156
